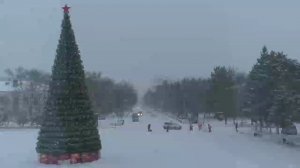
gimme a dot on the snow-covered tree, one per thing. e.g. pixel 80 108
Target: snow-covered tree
pixel 273 88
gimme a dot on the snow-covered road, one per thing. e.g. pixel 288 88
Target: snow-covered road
pixel 131 146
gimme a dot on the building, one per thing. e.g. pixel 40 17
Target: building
pixel 21 101
pixel 6 96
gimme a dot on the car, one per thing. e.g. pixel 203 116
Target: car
pixel 219 115
pixel 291 130
pixel 119 122
pixel 140 113
pixel 135 117
pixel 181 117
pixel 101 117
pixel 172 126
pixel 194 120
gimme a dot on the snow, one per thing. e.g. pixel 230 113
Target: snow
pixel 131 146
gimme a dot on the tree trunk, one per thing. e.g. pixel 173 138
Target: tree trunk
pixel 277 129
pixel 260 125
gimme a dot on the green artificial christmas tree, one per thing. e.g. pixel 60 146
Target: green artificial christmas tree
pixel 69 127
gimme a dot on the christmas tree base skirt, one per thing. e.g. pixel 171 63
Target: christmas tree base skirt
pixel 73 158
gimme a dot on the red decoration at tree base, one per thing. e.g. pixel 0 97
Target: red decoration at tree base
pixel 74 158
pixel 89 157
pixel 48 159
pixel 64 157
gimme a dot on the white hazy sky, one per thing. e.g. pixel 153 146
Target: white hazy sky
pixel 141 40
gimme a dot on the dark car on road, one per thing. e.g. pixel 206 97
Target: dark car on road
pixel 101 117
pixel 135 117
pixel 172 126
pixel 140 113
pixel 219 116
pixel 291 130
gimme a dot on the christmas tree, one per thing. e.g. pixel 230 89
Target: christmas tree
pixel 69 127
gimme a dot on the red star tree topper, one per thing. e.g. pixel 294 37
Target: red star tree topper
pixel 66 9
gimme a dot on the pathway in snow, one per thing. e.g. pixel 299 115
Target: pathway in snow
pixel 131 146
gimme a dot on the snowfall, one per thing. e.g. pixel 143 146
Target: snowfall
pixel 131 146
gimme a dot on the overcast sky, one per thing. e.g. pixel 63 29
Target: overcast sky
pixel 142 40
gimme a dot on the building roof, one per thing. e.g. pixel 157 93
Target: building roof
pixel 7 86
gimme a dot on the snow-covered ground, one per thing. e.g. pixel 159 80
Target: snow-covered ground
pixel 131 146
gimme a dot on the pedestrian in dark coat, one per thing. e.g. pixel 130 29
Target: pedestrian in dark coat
pixel 199 126
pixel 209 127
pixel 191 127
pixel 236 127
pixel 149 128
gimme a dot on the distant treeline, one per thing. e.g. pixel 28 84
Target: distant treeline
pixel 193 96
pixel 24 105
pixel 108 96
pixel 269 94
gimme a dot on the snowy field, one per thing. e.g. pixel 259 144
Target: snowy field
pixel 131 146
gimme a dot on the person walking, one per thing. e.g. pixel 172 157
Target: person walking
pixel 209 127
pixel 149 128
pixel 236 126
pixel 191 127
pixel 199 126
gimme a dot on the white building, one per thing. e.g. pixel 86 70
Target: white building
pixel 6 95
pixel 6 87
pixel 21 98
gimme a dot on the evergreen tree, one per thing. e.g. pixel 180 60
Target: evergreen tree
pixel 69 125
pixel 281 109
pixel 273 89
pixel 259 88
pixel 224 91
